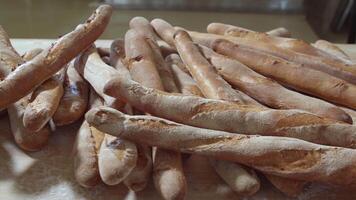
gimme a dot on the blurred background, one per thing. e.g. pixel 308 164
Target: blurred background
pixel 332 20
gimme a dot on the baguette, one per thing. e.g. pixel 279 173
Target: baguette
pixel 279 32
pixel 25 139
pixel 190 88
pixel 333 50
pixel 29 55
pixel 285 157
pixel 324 64
pixel 292 44
pixel 228 116
pixel 44 102
pixel 242 180
pixel 214 87
pixel 53 58
pixel 164 30
pixel 297 76
pixel 267 91
pixel 85 66
pixel 74 101
pixel 117 157
pixel 168 173
pixel 210 83
pixel 143 27
pixel 117 56
pixel 185 83
pixel 86 148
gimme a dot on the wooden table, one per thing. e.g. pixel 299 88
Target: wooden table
pixel 48 174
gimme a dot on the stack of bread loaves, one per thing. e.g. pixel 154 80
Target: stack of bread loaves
pixel 250 104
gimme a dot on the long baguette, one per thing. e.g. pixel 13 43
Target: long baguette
pixel 44 102
pixel 168 173
pixel 268 91
pixel 143 27
pixel 74 101
pixel 97 79
pixel 210 83
pixel 332 67
pixel 286 157
pixel 27 140
pixel 238 178
pixel 227 116
pixel 117 158
pixel 333 50
pixel 293 75
pixel 213 86
pixel 115 166
pixel 284 43
pixel 54 58
pixel 185 83
pixel 29 55
pixel 86 148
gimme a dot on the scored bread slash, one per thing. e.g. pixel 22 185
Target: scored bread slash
pixel 52 59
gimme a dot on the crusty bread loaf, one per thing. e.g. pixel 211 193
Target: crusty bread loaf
pixel 333 50
pixel 294 75
pixel 86 148
pixel 85 65
pixel 210 83
pixel 330 66
pixel 268 91
pixel 27 140
pixel 74 101
pixel 286 157
pixel 185 83
pixel 53 58
pixel 44 102
pixel 227 116
pixel 168 173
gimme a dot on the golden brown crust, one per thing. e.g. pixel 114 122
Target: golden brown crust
pixel 27 140
pixel 333 50
pixel 185 83
pixel 141 63
pixel 43 104
pixel 227 116
pixel 324 63
pixel 210 83
pixel 282 156
pixel 86 148
pixel 74 101
pixel 294 75
pixel 54 58
pixel 268 91
pixel 164 30
pixel 85 64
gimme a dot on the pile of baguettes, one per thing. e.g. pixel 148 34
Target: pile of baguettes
pixel 249 102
